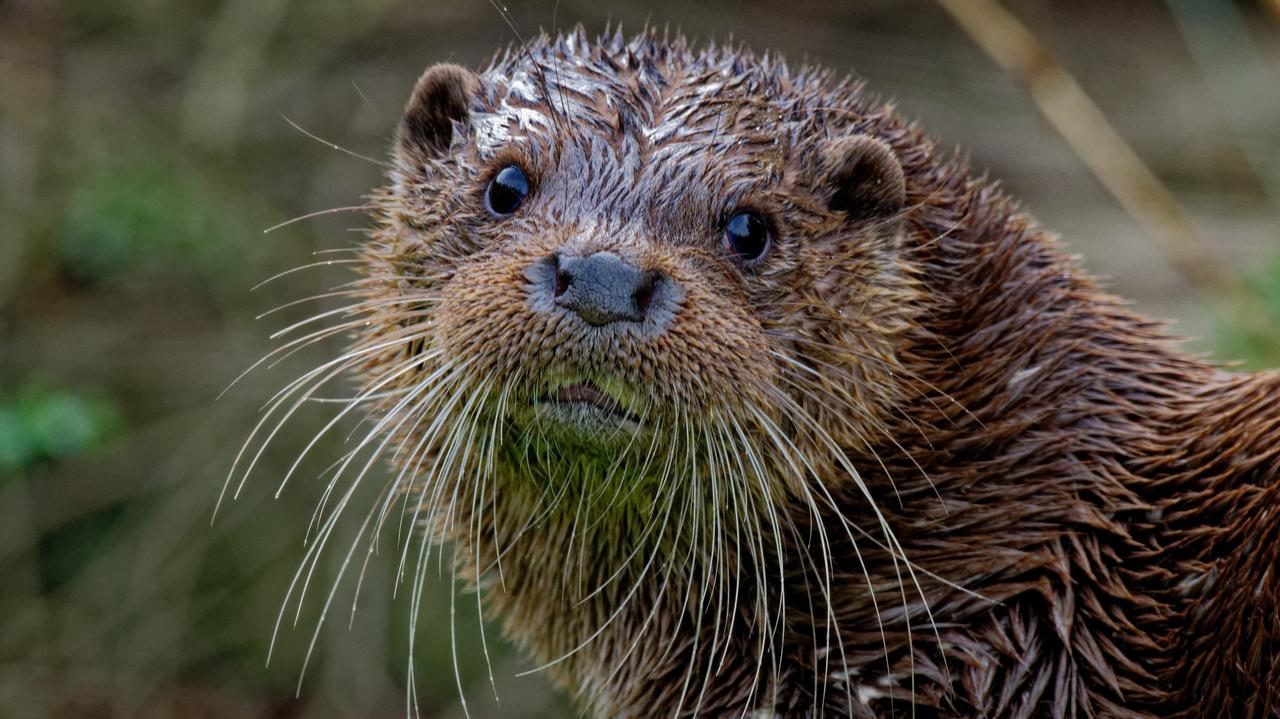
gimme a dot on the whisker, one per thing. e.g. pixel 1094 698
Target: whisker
pixel 335 146
pixel 300 268
pixel 317 213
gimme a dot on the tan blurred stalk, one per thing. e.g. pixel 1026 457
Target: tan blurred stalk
pixel 28 73
pixel 1067 107
pixel 219 90
pixel 1246 92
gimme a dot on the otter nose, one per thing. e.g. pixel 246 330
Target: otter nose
pixel 602 288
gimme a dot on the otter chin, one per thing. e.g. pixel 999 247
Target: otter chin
pixel 733 395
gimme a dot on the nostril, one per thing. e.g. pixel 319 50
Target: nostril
pixel 642 296
pixel 559 273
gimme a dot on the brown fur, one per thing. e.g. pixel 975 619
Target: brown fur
pixel 914 462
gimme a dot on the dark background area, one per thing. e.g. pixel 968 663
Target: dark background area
pixel 145 148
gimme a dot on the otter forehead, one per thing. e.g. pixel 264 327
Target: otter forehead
pixel 644 92
pixel 634 131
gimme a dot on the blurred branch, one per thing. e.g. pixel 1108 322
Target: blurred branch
pixel 1094 140
pixel 1067 107
pixel 218 93
pixel 1236 72
pixel 28 72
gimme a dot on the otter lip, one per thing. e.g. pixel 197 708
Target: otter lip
pixel 587 393
pixel 581 404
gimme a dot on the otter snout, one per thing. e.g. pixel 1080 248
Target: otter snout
pixel 603 289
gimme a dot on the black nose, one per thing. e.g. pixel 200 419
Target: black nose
pixel 601 288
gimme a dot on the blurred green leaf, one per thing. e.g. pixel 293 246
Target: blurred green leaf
pixel 42 424
pixel 1258 346
pixel 150 215
pixel 15 443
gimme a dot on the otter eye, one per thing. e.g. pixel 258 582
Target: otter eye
pixel 746 236
pixel 506 191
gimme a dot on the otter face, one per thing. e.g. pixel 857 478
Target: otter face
pixel 612 258
pixel 637 301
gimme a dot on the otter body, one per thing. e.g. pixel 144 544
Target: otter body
pixel 736 398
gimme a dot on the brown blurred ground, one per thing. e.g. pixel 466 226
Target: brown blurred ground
pixel 145 149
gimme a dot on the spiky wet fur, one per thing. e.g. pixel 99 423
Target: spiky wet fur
pixel 919 465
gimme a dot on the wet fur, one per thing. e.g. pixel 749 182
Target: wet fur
pixel 913 463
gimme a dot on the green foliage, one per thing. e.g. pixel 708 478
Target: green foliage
pixel 1257 346
pixel 152 215
pixel 41 424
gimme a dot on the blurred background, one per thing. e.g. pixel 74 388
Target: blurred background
pixel 146 145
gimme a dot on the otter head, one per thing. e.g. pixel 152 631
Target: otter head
pixel 627 301
pixel 660 276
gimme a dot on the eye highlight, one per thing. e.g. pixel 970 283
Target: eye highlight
pixel 746 236
pixel 506 191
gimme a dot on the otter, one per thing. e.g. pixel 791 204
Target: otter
pixel 732 395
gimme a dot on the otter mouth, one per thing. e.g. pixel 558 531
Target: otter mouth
pixel 588 393
pixel 584 406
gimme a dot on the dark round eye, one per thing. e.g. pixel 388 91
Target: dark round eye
pixel 506 191
pixel 746 236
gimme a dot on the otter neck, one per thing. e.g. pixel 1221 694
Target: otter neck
pixel 599 579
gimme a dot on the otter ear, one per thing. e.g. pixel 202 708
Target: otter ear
pixel 864 178
pixel 439 99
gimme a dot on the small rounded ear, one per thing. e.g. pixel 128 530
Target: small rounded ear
pixel 439 99
pixel 864 178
